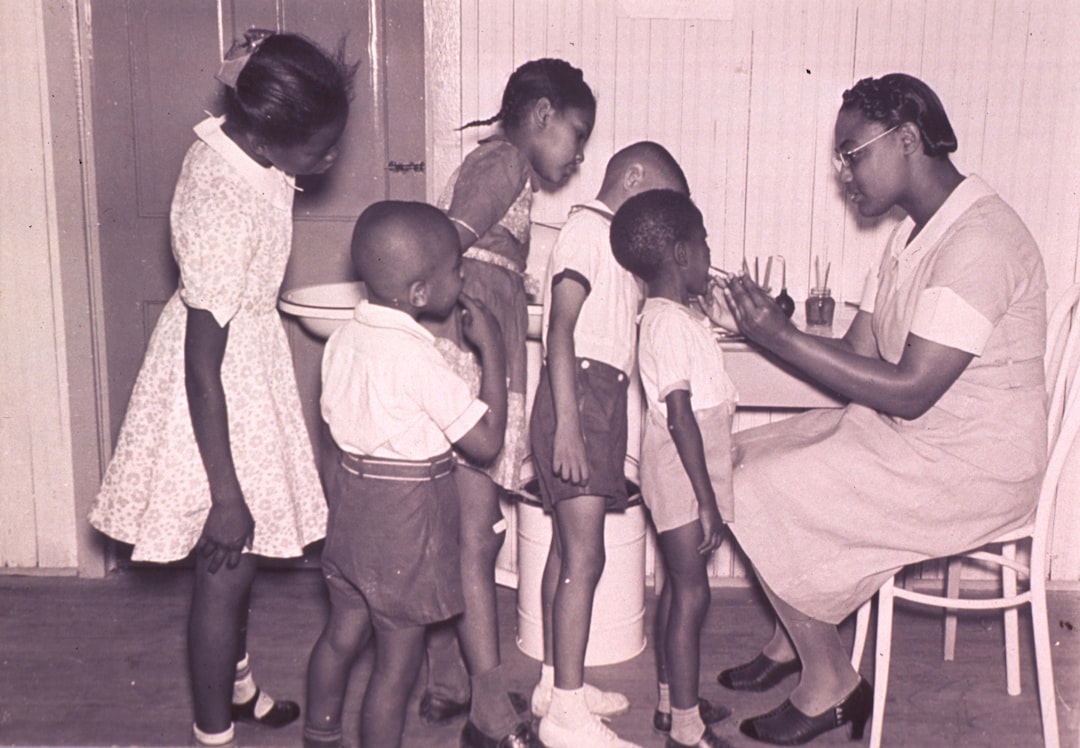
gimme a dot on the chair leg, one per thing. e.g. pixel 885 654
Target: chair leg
pixel 862 625
pixel 1011 618
pixel 952 589
pixel 1044 666
pixel 881 665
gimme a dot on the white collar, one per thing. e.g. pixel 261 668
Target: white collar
pixel 388 318
pixel 268 181
pixel 966 194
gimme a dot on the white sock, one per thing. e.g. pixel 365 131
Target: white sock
pixel 215 738
pixel 244 688
pixel 568 706
pixel 687 726
pixel 663 701
pixel 547 676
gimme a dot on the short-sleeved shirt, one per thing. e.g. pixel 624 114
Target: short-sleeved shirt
pixel 606 325
pixel 388 392
pixel 678 351
pixel 490 194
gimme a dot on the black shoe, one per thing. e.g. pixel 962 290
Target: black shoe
pixel 709 740
pixel 786 725
pixel 521 736
pixel 280 714
pixel 760 674
pixel 710 714
pixel 520 702
pixel 438 710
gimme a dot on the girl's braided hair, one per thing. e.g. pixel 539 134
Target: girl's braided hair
pixel 548 78
pixel 898 98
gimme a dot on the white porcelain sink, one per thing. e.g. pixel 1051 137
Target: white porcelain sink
pixel 324 307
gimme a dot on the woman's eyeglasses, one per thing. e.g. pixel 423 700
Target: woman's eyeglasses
pixel 841 159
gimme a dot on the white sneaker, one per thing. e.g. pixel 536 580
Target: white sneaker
pixel 592 733
pixel 600 703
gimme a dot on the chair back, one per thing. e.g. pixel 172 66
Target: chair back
pixel 1063 414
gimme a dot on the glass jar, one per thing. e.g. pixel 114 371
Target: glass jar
pixel 820 307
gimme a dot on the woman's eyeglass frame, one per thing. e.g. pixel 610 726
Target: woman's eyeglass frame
pixel 842 159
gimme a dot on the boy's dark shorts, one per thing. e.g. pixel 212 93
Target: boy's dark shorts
pixel 392 540
pixel 601 400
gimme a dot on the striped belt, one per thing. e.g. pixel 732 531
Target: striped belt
pixel 383 468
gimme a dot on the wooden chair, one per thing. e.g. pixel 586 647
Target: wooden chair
pixel 1063 387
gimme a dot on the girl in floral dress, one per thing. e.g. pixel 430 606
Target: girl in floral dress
pixel 213 456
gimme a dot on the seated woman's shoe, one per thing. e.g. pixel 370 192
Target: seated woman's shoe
pixel 709 740
pixel 710 714
pixel 521 736
pixel 760 674
pixel 786 725
pixel 274 714
pixel 438 710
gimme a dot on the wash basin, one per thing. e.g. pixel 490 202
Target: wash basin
pixel 323 307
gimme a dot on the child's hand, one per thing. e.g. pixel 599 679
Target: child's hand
pixel 711 528
pixel 568 458
pixel 228 530
pixel 479 324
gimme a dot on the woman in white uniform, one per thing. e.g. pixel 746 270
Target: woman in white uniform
pixel 943 443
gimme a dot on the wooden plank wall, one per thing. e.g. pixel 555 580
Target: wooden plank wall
pixel 745 93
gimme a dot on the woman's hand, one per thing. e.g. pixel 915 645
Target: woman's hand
pixel 715 307
pixel 756 313
pixel 228 531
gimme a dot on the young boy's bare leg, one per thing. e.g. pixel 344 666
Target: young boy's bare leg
pixel 398 654
pixel 601 703
pixel 347 630
pixel 687 588
pixel 580 525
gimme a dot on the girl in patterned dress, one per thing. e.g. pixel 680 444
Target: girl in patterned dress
pixel 546 117
pixel 213 455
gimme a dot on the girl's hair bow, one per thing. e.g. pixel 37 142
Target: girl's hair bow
pixel 239 53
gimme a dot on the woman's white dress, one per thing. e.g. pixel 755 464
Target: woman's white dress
pixel 231 224
pixel 830 503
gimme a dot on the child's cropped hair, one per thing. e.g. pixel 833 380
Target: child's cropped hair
pixel 289 88
pixel 549 78
pixel 647 225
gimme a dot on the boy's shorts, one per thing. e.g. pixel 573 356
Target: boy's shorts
pixel 601 400
pixel 665 486
pixel 392 540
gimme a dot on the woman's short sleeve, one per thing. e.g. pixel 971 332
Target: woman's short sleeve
pixel 968 290
pixel 213 233
pixel 488 182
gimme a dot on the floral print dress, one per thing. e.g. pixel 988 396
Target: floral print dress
pixel 231 223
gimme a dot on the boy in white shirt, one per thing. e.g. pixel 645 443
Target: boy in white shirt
pixel 395 408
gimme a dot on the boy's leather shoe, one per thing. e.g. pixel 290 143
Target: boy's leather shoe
pixel 521 736
pixel 438 710
pixel 709 740
pixel 710 714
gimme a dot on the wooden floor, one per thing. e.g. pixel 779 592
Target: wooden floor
pixel 100 663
